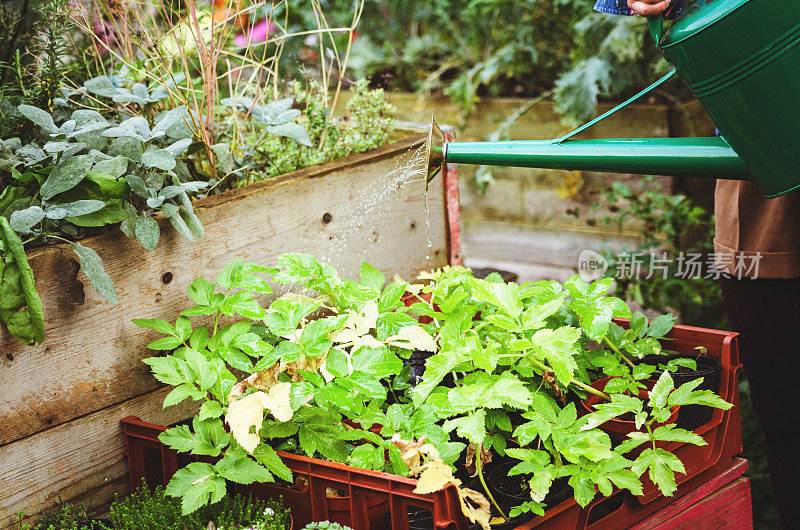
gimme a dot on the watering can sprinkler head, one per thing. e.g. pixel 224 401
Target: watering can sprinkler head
pixel 434 151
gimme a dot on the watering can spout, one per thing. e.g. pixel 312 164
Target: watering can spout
pixel 692 157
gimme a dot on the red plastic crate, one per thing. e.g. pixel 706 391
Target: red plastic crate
pixel 723 433
pixel 378 501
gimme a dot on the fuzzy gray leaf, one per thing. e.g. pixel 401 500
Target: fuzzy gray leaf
pixel 173 213
pixel 170 118
pixel 161 90
pixel 102 86
pixel 66 128
pixel 66 175
pixel 147 232
pixel 178 148
pixel 40 117
pixel 155 202
pixel 192 221
pixel 137 185
pixel 222 152
pixel 56 147
pixel 291 130
pixel 76 208
pixel 92 266
pixel 126 146
pixel 84 117
pixel 159 158
pixel 23 220
pixel 276 107
pixel 113 167
pixel 30 154
pixel 136 127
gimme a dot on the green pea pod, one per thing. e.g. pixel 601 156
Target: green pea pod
pixel 20 305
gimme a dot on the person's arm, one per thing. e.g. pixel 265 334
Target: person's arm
pixel 633 7
pixel 648 8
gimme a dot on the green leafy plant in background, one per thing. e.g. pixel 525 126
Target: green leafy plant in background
pixel 506 48
pixel 668 226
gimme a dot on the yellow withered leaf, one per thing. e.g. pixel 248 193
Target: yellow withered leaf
pixel 475 506
pixel 245 416
pixel 242 416
pixel 414 338
pixel 278 402
pixel 435 477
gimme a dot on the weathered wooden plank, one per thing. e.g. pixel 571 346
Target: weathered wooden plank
pixel 705 492
pixel 363 208
pixel 80 460
pixel 729 508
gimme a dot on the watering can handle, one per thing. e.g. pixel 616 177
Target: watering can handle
pixel 656 26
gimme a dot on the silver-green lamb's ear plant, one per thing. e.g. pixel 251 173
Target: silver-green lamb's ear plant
pixel 91 172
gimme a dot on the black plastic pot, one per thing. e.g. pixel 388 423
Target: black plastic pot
pixel 709 368
pixel 417 365
pixel 508 276
pixel 423 520
pixel 507 489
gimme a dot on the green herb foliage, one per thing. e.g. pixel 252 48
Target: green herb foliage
pixel 326 525
pixel 314 138
pixel 88 169
pixel 146 509
pixel 321 369
pixel 149 509
pixel 65 516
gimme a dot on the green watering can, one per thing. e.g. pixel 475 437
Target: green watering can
pixel 741 59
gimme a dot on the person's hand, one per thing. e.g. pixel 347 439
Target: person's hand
pixel 648 8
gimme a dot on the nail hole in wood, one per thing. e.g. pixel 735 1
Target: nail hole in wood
pixel 326 218
pixel 413 225
pixel 166 278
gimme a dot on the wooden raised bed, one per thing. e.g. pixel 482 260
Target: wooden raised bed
pixel 61 401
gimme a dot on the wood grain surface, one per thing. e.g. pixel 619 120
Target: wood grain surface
pixel 74 385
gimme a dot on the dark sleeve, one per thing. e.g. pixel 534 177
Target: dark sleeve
pixel 620 7
pixel 614 7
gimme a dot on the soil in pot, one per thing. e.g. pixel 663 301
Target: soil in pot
pixel 421 519
pixel 416 364
pixel 619 428
pixel 709 368
pixel 508 491
pixel 513 490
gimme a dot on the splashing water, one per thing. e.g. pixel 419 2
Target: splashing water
pixel 371 207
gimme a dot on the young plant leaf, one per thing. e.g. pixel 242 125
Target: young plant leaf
pixel 66 175
pixel 92 266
